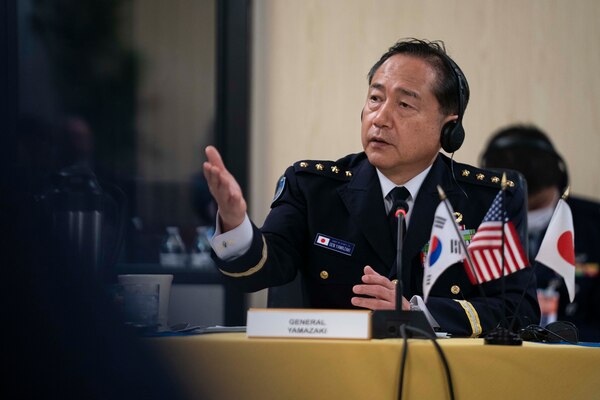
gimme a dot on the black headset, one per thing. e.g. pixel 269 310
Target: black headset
pixel 555 332
pixel 534 143
pixel 453 133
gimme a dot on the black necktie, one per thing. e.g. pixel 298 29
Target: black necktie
pixel 398 195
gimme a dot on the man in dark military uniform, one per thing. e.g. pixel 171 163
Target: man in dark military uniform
pixel 329 219
pixel 528 150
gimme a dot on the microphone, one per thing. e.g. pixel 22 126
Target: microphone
pixel 400 214
pixel 394 323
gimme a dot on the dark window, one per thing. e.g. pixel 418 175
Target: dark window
pixel 120 97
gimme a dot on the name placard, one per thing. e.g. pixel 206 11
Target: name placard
pixel 308 323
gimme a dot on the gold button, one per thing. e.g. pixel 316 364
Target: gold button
pixel 495 179
pixel 466 172
pixel 348 174
pixel 480 177
pixel 319 167
pixel 395 281
pixel 324 274
pixel 303 164
pixel 510 183
pixel 455 289
pixel 335 169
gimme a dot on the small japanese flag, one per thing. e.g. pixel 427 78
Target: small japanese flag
pixel 322 240
pixel 557 250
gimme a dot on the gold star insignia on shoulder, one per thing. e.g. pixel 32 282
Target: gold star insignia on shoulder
pixel 495 179
pixel 303 164
pixel 466 172
pixel 319 167
pixel 480 177
pixel 348 174
pixel 335 169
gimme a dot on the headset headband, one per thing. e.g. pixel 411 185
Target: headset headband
pixel 507 142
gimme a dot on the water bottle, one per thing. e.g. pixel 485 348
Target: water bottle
pixel 200 253
pixel 172 249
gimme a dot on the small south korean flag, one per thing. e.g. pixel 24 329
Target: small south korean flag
pixel 444 246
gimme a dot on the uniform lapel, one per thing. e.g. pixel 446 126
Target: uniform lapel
pixel 421 220
pixel 364 201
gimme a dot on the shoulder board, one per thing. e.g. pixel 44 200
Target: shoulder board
pixel 328 169
pixel 485 177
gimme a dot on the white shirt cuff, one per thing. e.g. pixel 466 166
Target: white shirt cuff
pixel 418 303
pixel 234 243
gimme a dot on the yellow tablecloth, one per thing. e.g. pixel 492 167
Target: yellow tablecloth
pixel 231 366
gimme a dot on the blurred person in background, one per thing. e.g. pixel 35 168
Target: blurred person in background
pixel 527 149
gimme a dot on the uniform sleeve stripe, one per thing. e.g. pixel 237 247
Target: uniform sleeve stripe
pixel 251 270
pixel 472 316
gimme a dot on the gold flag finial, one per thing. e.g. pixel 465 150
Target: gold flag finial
pixel 503 182
pixel 441 192
pixel 566 193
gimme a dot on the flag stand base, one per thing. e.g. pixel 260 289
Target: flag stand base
pixel 504 337
pixel 386 324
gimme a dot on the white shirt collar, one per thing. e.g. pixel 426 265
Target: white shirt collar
pixel 413 186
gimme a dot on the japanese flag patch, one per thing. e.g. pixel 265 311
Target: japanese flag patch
pixel 331 243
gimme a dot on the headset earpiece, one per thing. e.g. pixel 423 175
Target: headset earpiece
pixel 453 135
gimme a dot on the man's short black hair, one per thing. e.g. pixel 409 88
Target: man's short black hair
pixel 434 53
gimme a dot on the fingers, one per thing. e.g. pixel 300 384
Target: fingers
pixel 380 291
pixel 373 304
pixel 214 157
pixel 377 291
pixel 225 190
pixel 371 277
pixel 214 168
pixel 221 183
pixel 216 177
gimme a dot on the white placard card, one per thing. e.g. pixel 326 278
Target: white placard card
pixel 308 323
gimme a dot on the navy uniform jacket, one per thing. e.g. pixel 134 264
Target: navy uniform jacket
pixel 584 312
pixel 343 201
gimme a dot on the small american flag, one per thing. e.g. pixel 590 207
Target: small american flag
pixel 485 248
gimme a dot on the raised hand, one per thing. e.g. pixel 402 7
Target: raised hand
pixel 225 190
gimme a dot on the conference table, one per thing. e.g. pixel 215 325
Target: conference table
pixel 233 366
